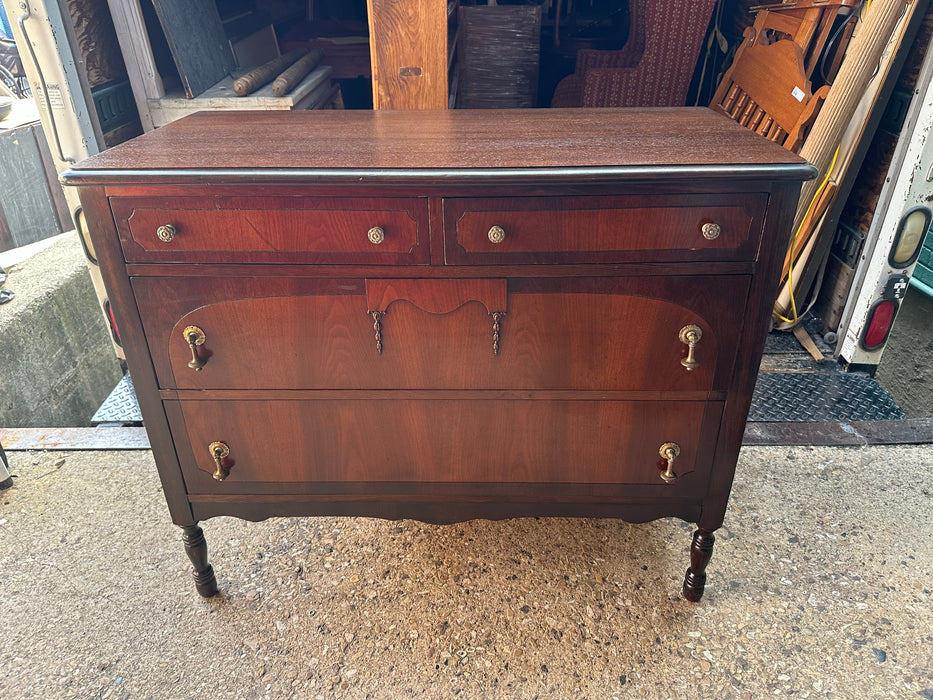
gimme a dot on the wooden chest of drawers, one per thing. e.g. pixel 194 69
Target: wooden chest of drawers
pixel 444 315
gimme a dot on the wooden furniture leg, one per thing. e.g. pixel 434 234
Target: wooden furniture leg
pixel 701 551
pixel 196 549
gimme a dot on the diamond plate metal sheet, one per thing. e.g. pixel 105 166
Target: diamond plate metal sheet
pixel 780 342
pixel 828 395
pixel 121 406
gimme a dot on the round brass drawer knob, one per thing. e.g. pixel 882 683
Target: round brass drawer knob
pixel 711 231
pixel 376 235
pixel 166 232
pixel 496 234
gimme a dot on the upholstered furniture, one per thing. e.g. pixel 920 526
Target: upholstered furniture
pixel 654 67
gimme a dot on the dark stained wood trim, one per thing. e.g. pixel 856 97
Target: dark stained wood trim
pixel 666 174
pixel 433 190
pixel 646 269
pixel 257 508
pixel 435 395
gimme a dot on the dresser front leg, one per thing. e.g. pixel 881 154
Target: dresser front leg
pixel 196 548
pixel 701 550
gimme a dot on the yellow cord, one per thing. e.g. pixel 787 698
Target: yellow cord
pixel 793 243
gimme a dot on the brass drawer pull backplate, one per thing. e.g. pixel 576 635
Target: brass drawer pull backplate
pixel 220 451
pixel 194 336
pixel 669 451
pixel 690 336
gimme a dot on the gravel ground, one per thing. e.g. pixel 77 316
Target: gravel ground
pixel 820 586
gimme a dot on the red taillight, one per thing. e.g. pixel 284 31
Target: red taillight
pixel 880 320
pixel 113 323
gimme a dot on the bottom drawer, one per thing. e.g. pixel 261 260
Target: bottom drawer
pixel 276 446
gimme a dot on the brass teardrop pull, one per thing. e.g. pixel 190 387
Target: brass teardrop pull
pixel 690 336
pixel 194 336
pixel 220 451
pixel 669 451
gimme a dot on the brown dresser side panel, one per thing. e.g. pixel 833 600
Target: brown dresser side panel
pixel 123 303
pixel 748 359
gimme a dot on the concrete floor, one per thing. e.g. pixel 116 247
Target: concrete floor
pixel 820 586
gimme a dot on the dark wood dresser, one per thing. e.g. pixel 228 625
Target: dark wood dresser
pixel 444 315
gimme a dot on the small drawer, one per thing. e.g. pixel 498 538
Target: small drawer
pixel 570 230
pixel 599 334
pixel 284 442
pixel 328 230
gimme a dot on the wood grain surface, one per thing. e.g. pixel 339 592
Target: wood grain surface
pixel 273 229
pixel 582 442
pixel 408 50
pixel 601 229
pixel 597 335
pixel 433 143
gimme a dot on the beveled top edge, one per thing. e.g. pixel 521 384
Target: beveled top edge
pixel 648 173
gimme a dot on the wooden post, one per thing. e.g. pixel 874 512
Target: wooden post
pixel 408 50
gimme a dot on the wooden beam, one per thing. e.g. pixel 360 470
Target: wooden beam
pixel 911 431
pixel 137 55
pixel 22 439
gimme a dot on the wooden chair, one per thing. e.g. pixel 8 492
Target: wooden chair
pixel 654 67
pixel 805 22
pixel 768 91
pixel 767 88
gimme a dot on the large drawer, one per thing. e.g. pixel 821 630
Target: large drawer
pixel 557 334
pixel 322 230
pixel 465 440
pixel 597 229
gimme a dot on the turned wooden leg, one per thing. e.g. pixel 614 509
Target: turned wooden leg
pixel 196 548
pixel 701 550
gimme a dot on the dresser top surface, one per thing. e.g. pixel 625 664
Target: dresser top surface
pixel 453 144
